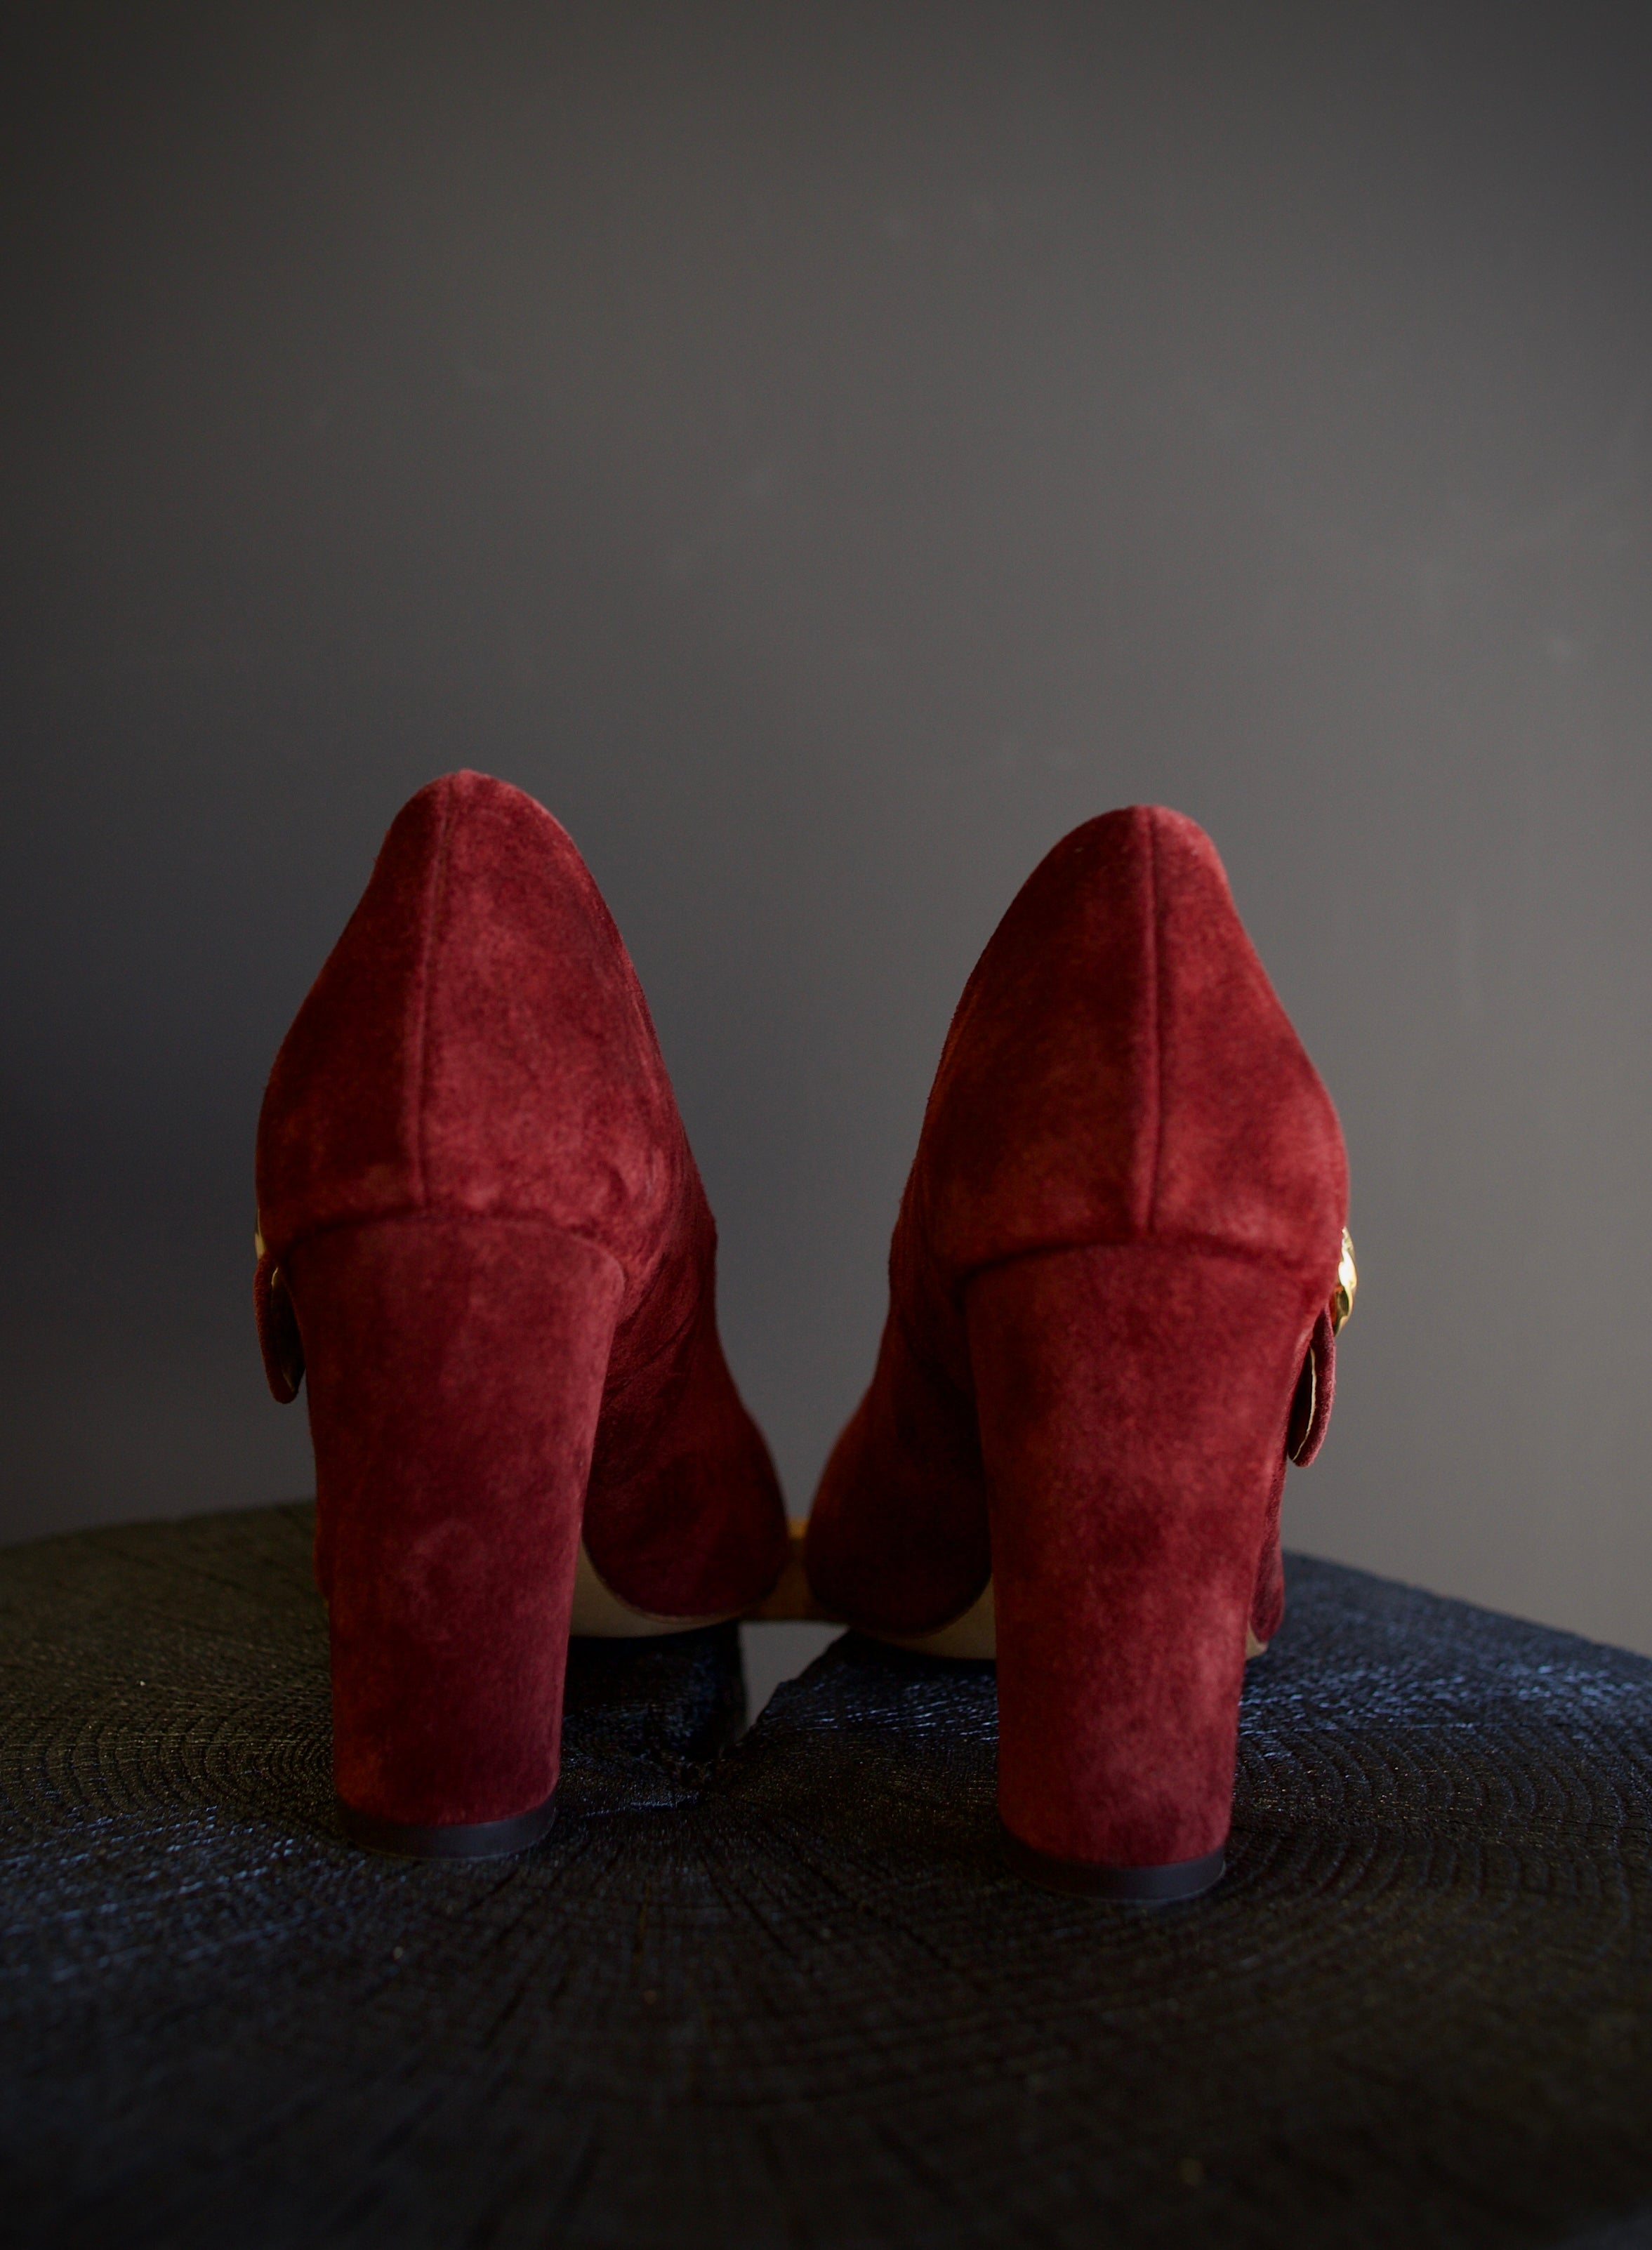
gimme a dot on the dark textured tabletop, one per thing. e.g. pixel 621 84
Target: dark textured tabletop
pixel 777 1991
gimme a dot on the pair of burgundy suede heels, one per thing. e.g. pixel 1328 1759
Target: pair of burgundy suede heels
pixel 1114 1286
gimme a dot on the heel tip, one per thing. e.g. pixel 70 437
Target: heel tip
pixel 476 1839
pixel 1162 1886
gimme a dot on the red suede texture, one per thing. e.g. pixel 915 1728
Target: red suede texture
pixel 455 1370
pixel 683 1514
pixel 1119 1074
pixel 1311 1408
pixel 1322 1351
pixel 1129 1479
pixel 1267 1603
pixel 477 1049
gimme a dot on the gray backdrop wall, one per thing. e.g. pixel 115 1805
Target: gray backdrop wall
pixel 824 451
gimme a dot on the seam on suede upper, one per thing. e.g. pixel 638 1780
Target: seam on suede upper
pixel 418 1090
pixel 424 1215
pixel 1155 1010
pixel 1200 1246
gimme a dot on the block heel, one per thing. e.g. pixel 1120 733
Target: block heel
pixel 456 1369
pixel 1133 1406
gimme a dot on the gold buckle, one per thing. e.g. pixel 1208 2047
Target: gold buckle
pixel 1341 1297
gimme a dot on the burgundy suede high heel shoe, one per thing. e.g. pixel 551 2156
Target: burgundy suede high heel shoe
pixel 483 1237
pixel 1113 1285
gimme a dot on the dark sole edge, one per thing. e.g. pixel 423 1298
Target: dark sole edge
pixel 1162 1886
pixel 477 1839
